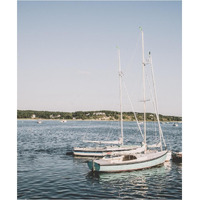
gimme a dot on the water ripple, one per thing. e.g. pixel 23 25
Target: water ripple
pixel 45 171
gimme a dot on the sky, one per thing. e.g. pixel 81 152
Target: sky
pixel 67 56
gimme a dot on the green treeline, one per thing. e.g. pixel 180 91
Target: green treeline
pixel 91 115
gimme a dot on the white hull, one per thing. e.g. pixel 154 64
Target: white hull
pixel 142 161
pixel 169 156
pixel 104 151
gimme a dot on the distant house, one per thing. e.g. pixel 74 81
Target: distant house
pixel 99 113
pixel 51 116
pixel 58 116
pixel 74 117
pixel 33 116
pixel 105 118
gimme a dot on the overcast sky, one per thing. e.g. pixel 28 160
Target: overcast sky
pixel 67 56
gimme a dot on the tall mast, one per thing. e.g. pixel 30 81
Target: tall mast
pixel 120 87
pixel 143 69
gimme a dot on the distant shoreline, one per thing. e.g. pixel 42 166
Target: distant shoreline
pixel 102 115
pixel 39 119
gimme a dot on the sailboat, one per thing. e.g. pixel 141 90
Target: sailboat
pixel 174 124
pixel 136 161
pixel 119 148
pixel 63 121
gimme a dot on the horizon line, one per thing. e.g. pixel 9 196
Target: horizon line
pixel 94 111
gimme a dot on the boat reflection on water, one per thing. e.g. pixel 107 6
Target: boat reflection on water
pixel 178 167
pixel 138 183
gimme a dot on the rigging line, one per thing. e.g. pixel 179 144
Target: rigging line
pixel 118 125
pixel 98 136
pixel 151 95
pixel 154 85
pixel 110 130
pixel 87 128
pixel 155 129
pixel 132 107
pixel 153 100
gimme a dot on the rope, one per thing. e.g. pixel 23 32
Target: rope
pixel 156 102
pixel 153 100
pixel 132 107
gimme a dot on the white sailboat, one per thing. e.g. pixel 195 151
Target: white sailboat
pixel 119 148
pixel 174 124
pixel 136 161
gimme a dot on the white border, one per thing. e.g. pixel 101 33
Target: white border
pixel 191 77
pixel 8 102
pixel 191 74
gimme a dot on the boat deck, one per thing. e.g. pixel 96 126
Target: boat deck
pixel 139 158
pixel 108 148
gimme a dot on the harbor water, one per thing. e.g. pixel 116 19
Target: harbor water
pixel 46 169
